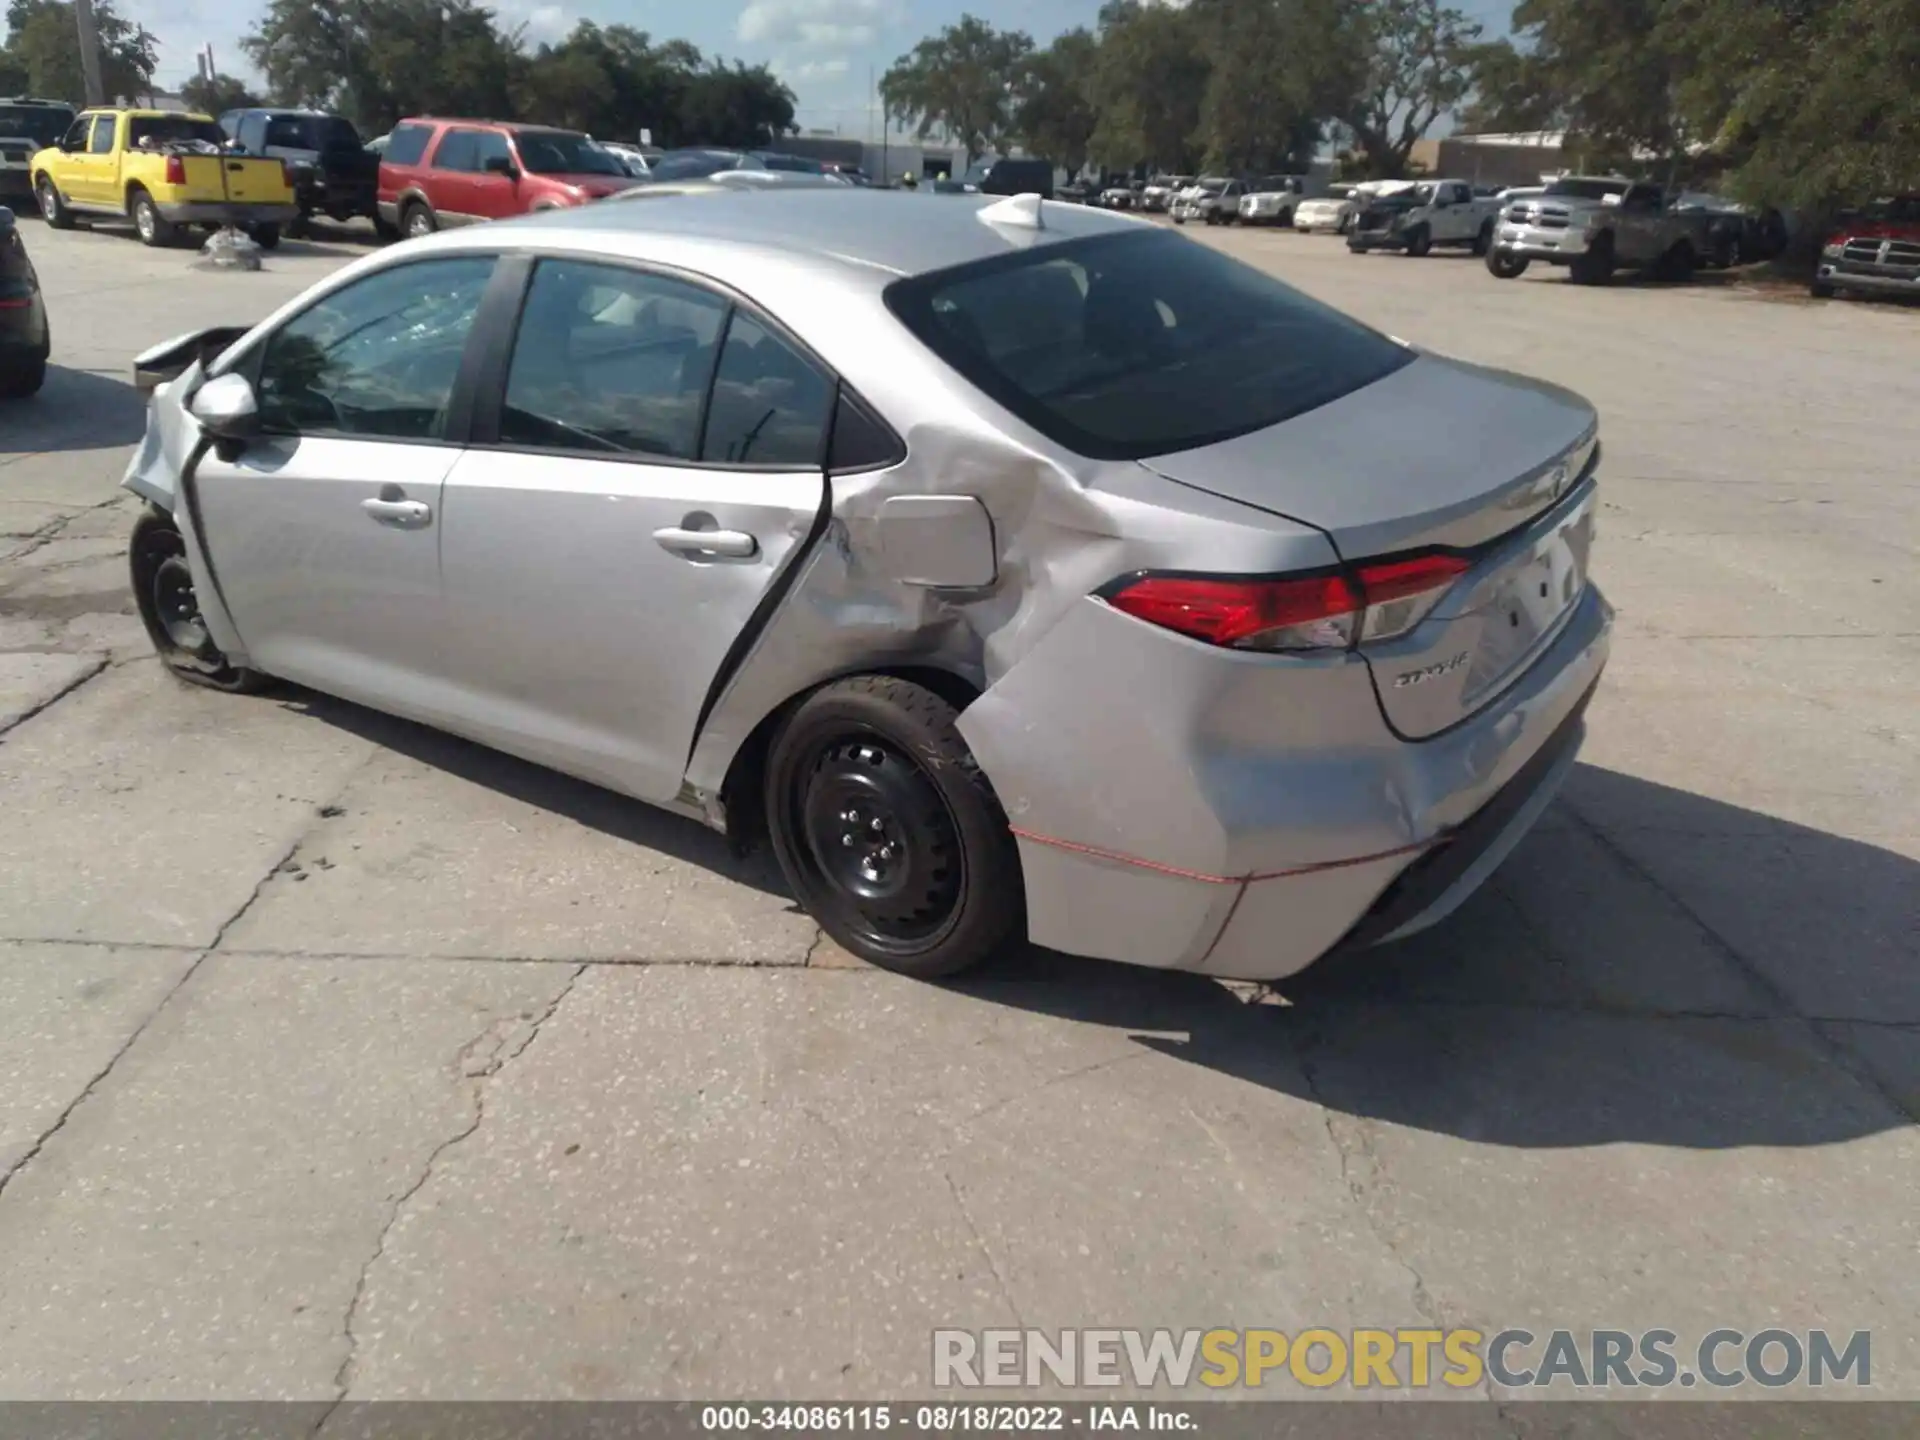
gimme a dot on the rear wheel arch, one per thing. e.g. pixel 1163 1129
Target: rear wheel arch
pixel 743 792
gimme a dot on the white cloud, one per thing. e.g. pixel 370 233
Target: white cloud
pixel 542 22
pixel 825 69
pixel 813 24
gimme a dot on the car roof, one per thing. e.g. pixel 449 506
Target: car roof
pixel 867 232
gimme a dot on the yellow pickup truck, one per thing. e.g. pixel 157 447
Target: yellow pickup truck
pixel 162 171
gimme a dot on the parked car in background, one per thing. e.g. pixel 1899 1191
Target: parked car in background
pixel 162 170
pixel 1316 679
pixel 27 126
pixel 378 145
pixel 696 162
pixel 25 340
pixel 724 180
pixel 1595 225
pixel 630 156
pixel 1123 195
pixel 1735 234
pixel 1876 252
pixel 1272 200
pixel 1428 214
pixel 458 172
pixel 1332 212
pixel 332 171
pixel 1008 176
pixel 1212 199
pixel 1158 193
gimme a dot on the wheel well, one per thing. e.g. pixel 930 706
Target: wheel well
pixel 742 793
pixel 134 187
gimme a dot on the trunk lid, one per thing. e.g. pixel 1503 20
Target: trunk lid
pixel 1439 455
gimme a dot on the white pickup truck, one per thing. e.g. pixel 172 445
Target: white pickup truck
pixel 1423 215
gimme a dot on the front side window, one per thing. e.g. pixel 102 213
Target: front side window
pixel 490 145
pixel 378 358
pixel 77 134
pixel 1139 344
pixel 102 141
pixel 555 152
pixel 611 360
pixel 769 405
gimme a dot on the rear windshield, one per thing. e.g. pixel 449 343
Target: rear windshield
pixel 174 130
pixel 312 132
pixel 45 123
pixel 1125 346
pixel 554 152
pixel 1587 189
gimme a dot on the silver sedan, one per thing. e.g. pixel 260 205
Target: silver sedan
pixel 1013 569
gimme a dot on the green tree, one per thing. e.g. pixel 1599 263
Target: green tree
pixel 1613 72
pixel 377 60
pixel 218 95
pixel 1055 115
pixel 1408 63
pixel 1148 85
pixel 1512 91
pixel 962 81
pixel 1274 72
pixel 730 103
pixel 43 50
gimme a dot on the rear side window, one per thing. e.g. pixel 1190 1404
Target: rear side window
pixel 407 144
pixel 769 404
pixel 1125 346
pixel 457 150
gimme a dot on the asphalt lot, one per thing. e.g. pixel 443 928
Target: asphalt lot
pixel 338 1057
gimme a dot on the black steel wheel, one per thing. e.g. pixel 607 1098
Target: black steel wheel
pixel 1419 241
pixel 163 589
pixel 887 830
pixel 1505 265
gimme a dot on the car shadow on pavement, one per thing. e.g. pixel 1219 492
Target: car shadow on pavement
pixel 593 806
pixel 1679 988
pixel 75 410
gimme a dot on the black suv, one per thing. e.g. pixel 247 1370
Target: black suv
pixel 333 172
pixel 1012 177
pixel 24 339
pixel 27 126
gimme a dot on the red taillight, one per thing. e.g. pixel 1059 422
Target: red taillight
pixel 1332 610
pixel 176 170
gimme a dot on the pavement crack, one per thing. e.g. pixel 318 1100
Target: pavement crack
pixel 986 1251
pixel 99 663
pixel 480 1060
pixel 99 1076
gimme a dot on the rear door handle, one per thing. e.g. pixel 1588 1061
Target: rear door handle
pixel 732 544
pixel 407 514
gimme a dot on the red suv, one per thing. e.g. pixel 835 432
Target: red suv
pixel 456 172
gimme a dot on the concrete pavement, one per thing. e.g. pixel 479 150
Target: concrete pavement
pixel 338 1057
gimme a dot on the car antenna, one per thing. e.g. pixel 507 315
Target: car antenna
pixel 1022 211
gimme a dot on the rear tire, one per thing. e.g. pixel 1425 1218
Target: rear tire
pixel 27 380
pixel 164 592
pixel 153 228
pixel 1678 263
pixel 267 237
pixel 889 833
pixel 417 220
pixel 1820 290
pixel 1596 266
pixel 52 208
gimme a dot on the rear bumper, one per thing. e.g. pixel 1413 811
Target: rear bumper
pixel 1845 277
pixel 221 212
pixel 1539 242
pixel 1241 819
pixel 334 196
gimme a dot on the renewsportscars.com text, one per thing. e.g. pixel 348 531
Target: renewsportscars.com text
pixel 1401 1359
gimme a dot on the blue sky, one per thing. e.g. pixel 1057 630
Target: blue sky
pixel 826 49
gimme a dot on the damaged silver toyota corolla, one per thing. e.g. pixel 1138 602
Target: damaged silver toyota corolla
pixel 1011 567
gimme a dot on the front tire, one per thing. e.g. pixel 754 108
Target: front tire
pixel 1820 290
pixel 163 590
pixel 1596 266
pixel 1505 265
pixel 52 208
pixel 1419 242
pixel 888 832
pixel 267 237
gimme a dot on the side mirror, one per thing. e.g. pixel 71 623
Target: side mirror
pixel 500 165
pixel 226 406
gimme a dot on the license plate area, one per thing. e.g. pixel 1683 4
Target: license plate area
pixel 1525 595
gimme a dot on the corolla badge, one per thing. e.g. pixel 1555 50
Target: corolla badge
pixel 1429 672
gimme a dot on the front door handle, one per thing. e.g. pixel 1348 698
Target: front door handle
pixel 407 514
pixel 731 544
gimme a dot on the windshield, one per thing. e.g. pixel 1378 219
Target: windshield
pixel 173 130
pixel 1271 183
pixel 1131 345
pixel 1587 189
pixel 1901 209
pixel 44 123
pixel 693 164
pixel 555 152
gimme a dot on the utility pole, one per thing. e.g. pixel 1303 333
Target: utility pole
pixel 89 52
